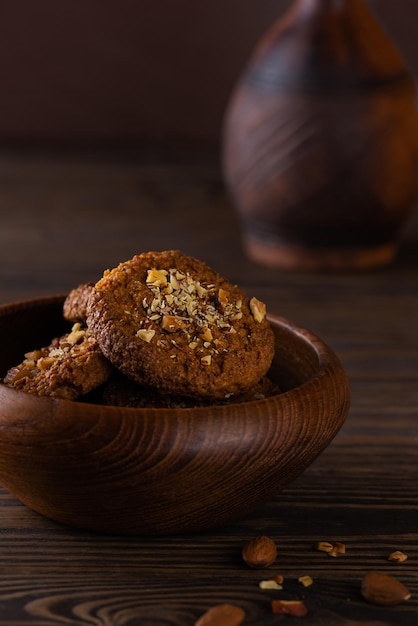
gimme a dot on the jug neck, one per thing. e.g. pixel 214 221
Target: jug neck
pixel 320 45
pixel 312 7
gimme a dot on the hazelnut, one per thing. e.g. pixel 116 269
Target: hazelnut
pixel 259 552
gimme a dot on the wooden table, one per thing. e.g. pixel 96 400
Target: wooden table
pixel 63 220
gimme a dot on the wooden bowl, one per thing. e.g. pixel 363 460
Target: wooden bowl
pixel 159 471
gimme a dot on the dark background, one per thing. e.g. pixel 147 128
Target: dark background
pixel 138 72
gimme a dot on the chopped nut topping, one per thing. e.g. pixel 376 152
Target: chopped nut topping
pixel 179 303
pixel 206 334
pixel 44 359
pixel 34 355
pixel 258 309
pixel 52 369
pixel 171 323
pixel 145 334
pixel 45 362
pixel 76 334
pixel 223 298
pixel 17 373
pixel 157 278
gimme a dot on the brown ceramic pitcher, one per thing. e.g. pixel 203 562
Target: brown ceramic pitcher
pixel 320 145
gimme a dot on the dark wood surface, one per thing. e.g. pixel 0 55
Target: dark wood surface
pixel 65 219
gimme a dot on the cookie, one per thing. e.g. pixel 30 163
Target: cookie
pixel 75 304
pixel 124 392
pixel 169 321
pixel 72 365
pixel 265 388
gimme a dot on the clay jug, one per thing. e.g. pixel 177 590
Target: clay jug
pixel 320 143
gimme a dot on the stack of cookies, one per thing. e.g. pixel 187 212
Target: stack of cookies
pixel 162 329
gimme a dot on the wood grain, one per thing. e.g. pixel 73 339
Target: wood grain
pixel 361 490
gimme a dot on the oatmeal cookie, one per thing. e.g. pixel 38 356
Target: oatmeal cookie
pixel 169 321
pixel 124 392
pixel 71 366
pixel 75 304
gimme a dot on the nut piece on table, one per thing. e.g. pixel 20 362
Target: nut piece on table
pixel 297 608
pixel 336 548
pixel 222 614
pixel 259 552
pixel 397 557
pixel 270 584
pixel 323 546
pixel 383 590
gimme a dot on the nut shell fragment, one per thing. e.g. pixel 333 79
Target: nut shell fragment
pixel 323 546
pixel 297 608
pixel 397 557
